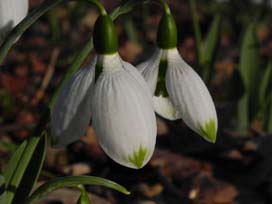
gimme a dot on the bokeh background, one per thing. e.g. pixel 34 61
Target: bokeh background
pixel 185 169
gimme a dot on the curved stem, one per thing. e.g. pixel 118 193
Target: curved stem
pixel 99 6
pixel 166 7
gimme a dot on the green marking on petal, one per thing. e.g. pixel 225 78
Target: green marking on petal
pixel 209 130
pixel 138 157
pixel 161 87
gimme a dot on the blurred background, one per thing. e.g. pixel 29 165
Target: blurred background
pixel 234 57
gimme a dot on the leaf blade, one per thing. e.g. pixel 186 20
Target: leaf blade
pixel 74 181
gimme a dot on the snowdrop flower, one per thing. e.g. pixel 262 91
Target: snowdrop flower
pixel 178 90
pixel 115 95
pixel 11 13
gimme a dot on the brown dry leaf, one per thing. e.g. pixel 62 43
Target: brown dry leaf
pixel 225 195
pixel 92 143
pixel 162 128
pixel 217 192
pixel 250 146
pixel 146 202
pixel 77 169
pixel 15 85
pixel 37 64
pixel 130 50
pixel 56 157
pixel 235 155
pixel 177 165
pixel 150 190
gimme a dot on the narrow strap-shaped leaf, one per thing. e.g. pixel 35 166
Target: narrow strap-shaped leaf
pixel 242 115
pixel 21 167
pixel 3 198
pixel 32 172
pixel 74 181
pixel 210 48
pixel 196 25
pixel 266 85
pixel 268 118
pixel 250 67
pixel 11 167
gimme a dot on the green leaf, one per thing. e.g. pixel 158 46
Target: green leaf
pixel 196 25
pixel 250 68
pixel 242 115
pixel 73 181
pixel 19 167
pixel 3 198
pixel 266 84
pixel 32 171
pixel 12 164
pixel 210 48
pixel 268 118
pixel 84 198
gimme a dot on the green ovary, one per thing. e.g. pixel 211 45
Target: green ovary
pixel 209 130
pixel 138 157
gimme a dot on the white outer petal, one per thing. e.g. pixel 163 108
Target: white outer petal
pixel 123 115
pixel 72 111
pixel 150 69
pixel 11 13
pixel 188 93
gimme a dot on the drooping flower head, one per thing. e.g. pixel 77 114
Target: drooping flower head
pixel 115 95
pixel 11 13
pixel 178 90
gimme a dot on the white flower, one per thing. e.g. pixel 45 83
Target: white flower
pixel 11 13
pixel 121 107
pixel 188 99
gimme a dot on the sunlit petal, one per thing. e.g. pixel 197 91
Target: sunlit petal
pixel 191 97
pixel 123 115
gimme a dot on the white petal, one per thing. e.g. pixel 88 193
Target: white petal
pixel 123 116
pixel 164 107
pixel 191 97
pixel 72 111
pixel 150 68
pixel 11 13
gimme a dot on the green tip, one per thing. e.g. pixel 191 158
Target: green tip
pixel 209 130
pixel 138 157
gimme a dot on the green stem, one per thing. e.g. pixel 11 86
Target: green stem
pixel 196 26
pixel 98 5
pixel 166 8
